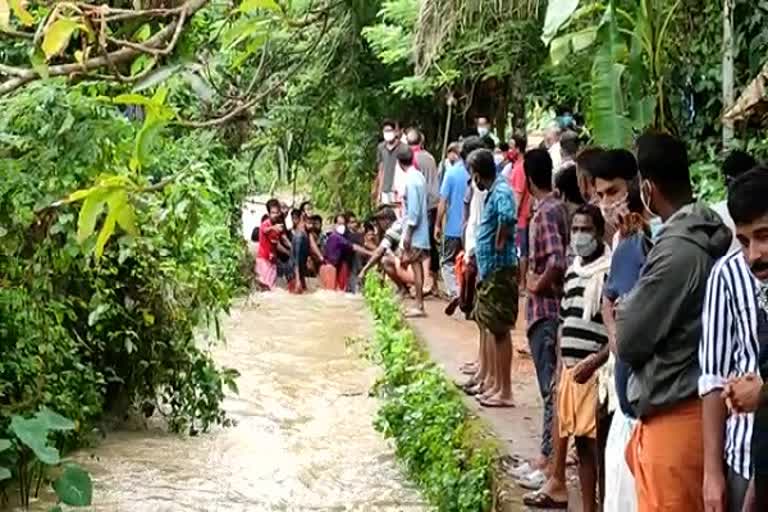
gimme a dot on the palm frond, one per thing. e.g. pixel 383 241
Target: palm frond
pixel 441 20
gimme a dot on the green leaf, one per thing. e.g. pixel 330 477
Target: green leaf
pixel 143 33
pixel 583 38
pixel 121 208
pixel 610 126
pixel 560 48
pixel 141 63
pixel 21 12
pixel 74 487
pixel 558 12
pixel 5 473
pixel 55 421
pixel 248 6
pixel 57 36
pixel 145 141
pixel 5 444
pixel 89 214
pixel 37 59
pixel 34 434
pixel 131 99
pixel 107 230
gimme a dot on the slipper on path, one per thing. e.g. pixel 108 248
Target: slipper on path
pixel 543 500
pixel 497 403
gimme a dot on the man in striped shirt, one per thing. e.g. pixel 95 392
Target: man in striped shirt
pixel 729 348
pixel 583 350
pixel 747 394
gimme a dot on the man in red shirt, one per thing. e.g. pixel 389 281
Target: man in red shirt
pixel 519 185
pixel 270 231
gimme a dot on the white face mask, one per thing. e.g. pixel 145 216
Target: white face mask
pixel 389 136
pixel 482 131
pixel 584 245
pixel 341 229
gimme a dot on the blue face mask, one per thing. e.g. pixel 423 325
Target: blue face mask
pixel 655 224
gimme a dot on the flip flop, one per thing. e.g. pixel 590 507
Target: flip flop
pixel 496 403
pixel 542 500
pixel 470 388
pixel 415 313
pixel 450 309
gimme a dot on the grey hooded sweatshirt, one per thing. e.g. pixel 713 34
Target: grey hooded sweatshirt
pixel 659 323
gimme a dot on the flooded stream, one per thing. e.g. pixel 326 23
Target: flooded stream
pixel 304 438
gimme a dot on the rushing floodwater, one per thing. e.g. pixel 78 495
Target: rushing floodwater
pixel 303 440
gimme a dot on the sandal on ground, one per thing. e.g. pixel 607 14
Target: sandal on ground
pixel 469 368
pixel 415 313
pixel 450 309
pixel 543 500
pixel 471 388
pixel 497 403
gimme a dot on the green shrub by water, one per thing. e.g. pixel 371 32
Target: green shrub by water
pixel 424 415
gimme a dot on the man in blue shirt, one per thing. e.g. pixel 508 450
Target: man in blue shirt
pixel 450 214
pixel 416 232
pixel 497 294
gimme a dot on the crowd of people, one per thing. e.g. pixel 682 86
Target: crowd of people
pixel 645 309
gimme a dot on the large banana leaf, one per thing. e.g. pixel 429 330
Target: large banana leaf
pixel 610 125
pixel 558 13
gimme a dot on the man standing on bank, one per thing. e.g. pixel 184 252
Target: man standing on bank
pixel 497 293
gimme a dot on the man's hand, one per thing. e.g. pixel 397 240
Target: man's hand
pixel 438 231
pixel 407 239
pixel 742 395
pixel 584 370
pixel 714 490
pixel 532 282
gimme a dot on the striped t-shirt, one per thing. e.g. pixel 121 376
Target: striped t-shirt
pixel 580 338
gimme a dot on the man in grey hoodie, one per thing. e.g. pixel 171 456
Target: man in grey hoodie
pixel 659 328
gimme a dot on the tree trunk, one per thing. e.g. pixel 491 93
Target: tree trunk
pixel 728 79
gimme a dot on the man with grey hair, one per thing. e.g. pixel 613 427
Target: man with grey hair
pixel 552 143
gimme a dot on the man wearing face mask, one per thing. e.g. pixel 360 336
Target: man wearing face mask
pixel 583 350
pixel 747 395
pixel 658 331
pixel 386 161
pixel 485 130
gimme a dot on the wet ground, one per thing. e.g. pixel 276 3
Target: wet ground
pixel 304 438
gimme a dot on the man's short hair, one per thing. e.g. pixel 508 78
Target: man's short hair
pixel 569 142
pixel 481 161
pixel 587 157
pixel 385 213
pixel 520 141
pixel 593 211
pixel 538 168
pixel 612 164
pixel 746 196
pixel 273 203
pixel 737 163
pixel 404 155
pixel 663 160
pixel 389 123
pixel 567 182
pixel 413 136
pixel 470 144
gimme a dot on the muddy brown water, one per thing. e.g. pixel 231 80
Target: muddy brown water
pixel 304 438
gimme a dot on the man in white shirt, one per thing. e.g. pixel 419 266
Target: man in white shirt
pixel 552 141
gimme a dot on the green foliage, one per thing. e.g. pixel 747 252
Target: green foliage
pixel 424 415
pixel 33 459
pixel 130 330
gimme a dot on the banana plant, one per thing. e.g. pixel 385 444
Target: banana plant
pixel 628 69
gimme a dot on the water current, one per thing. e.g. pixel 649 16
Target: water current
pixel 304 438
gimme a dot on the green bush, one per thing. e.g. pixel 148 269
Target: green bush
pixel 424 415
pixel 87 336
